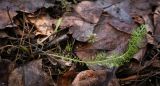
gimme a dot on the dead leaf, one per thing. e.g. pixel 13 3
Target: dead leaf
pixel 120 10
pixel 30 74
pixel 4 18
pixel 8 8
pixel 156 63
pixel 157 24
pixel 140 7
pixel 79 29
pixel 6 67
pixel 92 78
pixel 82 31
pixel 89 11
pixel 67 78
pixel 107 3
pixel 121 26
pixel 43 25
pixel 140 54
pixel 3 34
pixel 114 82
pixel 107 39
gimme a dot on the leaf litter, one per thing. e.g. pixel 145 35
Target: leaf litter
pixel 34 34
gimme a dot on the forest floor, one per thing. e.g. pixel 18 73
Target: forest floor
pixel 79 43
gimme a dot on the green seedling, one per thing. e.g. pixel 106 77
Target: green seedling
pixel 58 23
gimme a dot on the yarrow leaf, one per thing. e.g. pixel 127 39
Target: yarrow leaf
pixel 116 60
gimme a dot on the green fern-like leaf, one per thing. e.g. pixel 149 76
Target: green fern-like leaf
pixel 115 59
pixel 118 60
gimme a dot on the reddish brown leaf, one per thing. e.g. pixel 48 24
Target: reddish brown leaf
pixel 92 78
pixel 66 78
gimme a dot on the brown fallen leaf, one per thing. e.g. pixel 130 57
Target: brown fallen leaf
pixel 140 54
pixel 107 39
pixel 140 7
pixel 82 31
pixel 4 18
pixel 6 66
pixel 79 29
pixel 120 10
pixel 30 74
pixel 67 78
pixel 8 9
pixel 89 11
pixel 121 26
pixel 156 63
pixel 3 35
pixel 43 25
pixel 93 78
pixel 157 24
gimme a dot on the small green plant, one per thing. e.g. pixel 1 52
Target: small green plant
pixel 66 5
pixel 92 38
pixel 58 23
pixel 115 59
pixel 69 47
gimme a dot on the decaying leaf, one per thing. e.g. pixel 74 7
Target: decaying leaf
pixel 43 25
pixel 8 9
pixel 140 7
pixel 157 24
pixel 4 18
pixel 89 11
pixel 67 78
pixel 3 35
pixel 6 67
pixel 93 78
pixel 140 54
pixel 30 74
pixel 106 39
pixel 98 26
pixel 120 10
pixel 79 29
